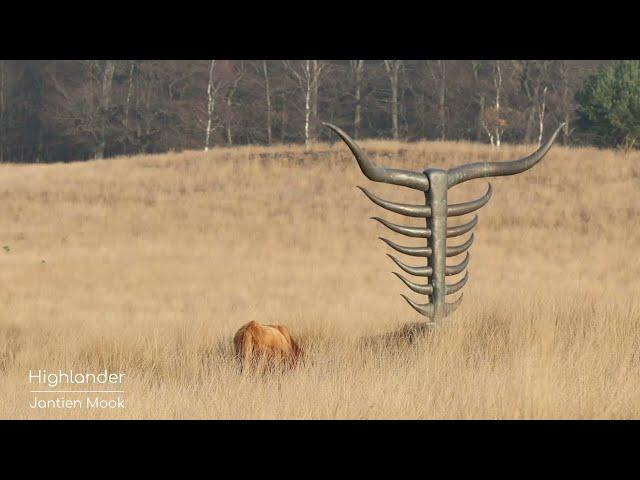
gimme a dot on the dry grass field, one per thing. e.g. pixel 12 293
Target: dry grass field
pixel 148 265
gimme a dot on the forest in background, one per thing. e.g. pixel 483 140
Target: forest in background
pixel 64 110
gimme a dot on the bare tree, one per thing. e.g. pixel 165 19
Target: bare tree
pixel 86 112
pixel 566 107
pixel 393 71
pixel 262 77
pixel 108 68
pixel 479 97
pixel 231 91
pixel 212 92
pixel 307 74
pixel 357 68
pixel 497 81
pixel 542 104
pixel 267 93
pixel 534 80
pixel 283 116
pixel 130 92
pixel 304 81
pixel 317 68
pixel 439 74
pixel 154 116
pixel 90 108
pixel 493 121
pixel 529 87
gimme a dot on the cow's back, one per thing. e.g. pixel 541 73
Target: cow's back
pixel 267 344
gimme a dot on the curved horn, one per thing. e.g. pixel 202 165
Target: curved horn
pixel 462 229
pixel 416 287
pixel 411 270
pixel 413 251
pixel 458 249
pixel 454 287
pixel 494 169
pixel 408 231
pixel 425 309
pixel 455 269
pixel 453 306
pixel 458 209
pixel 405 178
pixel 400 208
pixel 426 232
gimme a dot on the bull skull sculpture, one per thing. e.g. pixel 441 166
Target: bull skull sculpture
pixel 435 183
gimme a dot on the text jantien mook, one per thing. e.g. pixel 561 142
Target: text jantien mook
pixel 72 390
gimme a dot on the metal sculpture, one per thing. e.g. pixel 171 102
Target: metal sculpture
pixel 435 184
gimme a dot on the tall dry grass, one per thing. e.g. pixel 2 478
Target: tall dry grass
pixel 147 265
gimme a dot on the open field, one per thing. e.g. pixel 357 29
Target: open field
pixel 147 266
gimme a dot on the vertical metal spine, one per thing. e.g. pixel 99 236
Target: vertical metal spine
pixel 430 242
pixel 436 198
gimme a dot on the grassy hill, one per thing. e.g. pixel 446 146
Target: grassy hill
pixel 148 265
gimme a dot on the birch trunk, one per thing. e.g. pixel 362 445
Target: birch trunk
pixel 268 96
pixel 107 79
pixel 542 107
pixel 442 100
pixel 127 105
pixel 480 99
pixel 315 88
pixel 283 117
pixel 498 84
pixel 210 106
pixel 357 66
pixel 566 101
pixel 307 103
pixel 230 94
pixel 229 103
pixel 393 70
pixel 309 81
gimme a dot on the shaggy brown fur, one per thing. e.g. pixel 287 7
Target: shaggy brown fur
pixel 264 347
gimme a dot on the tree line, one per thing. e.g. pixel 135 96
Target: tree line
pixel 67 110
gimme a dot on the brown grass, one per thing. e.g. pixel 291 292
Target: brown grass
pixel 148 265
